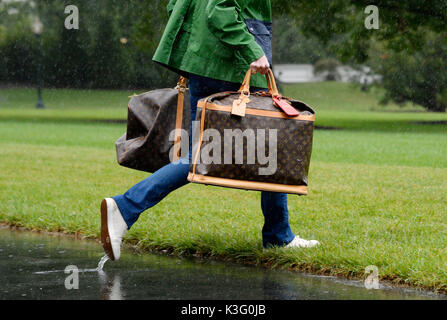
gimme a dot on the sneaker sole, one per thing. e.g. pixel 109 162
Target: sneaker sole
pixel 105 237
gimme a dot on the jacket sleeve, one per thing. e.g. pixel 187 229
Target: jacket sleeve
pixel 225 21
pixel 170 6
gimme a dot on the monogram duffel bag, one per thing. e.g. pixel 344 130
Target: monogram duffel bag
pixel 154 125
pixel 259 141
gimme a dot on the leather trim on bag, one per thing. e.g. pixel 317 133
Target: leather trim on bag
pixel 181 87
pixel 255 112
pixel 247 185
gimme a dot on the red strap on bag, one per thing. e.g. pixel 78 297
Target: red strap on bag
pixel 285 106
pixel 273 91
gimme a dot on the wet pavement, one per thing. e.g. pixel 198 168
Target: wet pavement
pixel 32 266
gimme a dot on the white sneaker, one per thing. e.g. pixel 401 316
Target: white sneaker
pixel 113 228
pixel 302 243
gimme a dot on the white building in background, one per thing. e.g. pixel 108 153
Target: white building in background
pixel 294 73
pixel 299 73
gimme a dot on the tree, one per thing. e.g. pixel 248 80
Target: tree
pixel 419 78
pixel 291 46
pixel 107 61
pixel 400 22
pixel 413 71
pixel 93 56
pixel 18 54
pixel 145 36
pixel 328 67
pixel 69 60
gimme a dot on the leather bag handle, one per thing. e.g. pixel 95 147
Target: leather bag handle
pixel 271 83
pixel 239 105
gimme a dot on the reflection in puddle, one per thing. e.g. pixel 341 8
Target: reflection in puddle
pixel 25 257
pixel 110 287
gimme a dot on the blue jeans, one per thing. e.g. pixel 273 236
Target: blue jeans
pixel 149 192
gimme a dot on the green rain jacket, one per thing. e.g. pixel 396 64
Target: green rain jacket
pixel 210 38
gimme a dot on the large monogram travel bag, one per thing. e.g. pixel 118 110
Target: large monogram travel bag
pixel 260 141
pixel 154 124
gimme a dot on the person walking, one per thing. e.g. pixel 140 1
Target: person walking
pixel 212 43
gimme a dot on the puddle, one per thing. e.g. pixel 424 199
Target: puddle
pixel 32 266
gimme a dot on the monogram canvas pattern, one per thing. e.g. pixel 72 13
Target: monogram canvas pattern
pixel 294 142
pixel 151 118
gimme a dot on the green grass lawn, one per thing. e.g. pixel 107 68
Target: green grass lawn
pixel 377 186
